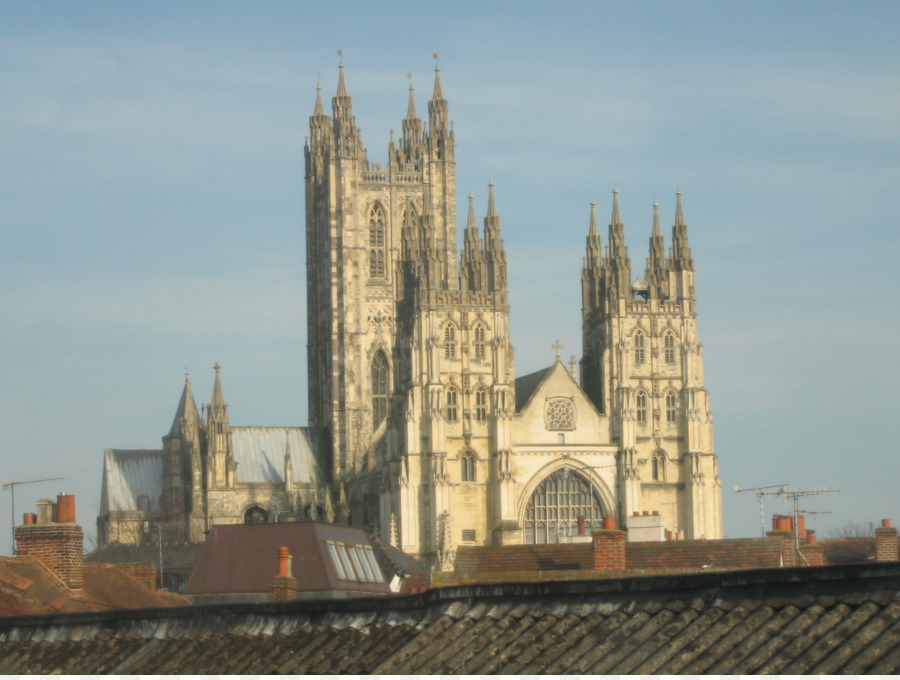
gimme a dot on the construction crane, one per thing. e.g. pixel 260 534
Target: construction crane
pixel 12 488
pixel 761 492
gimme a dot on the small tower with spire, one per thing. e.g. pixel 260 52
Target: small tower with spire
pixel 220 472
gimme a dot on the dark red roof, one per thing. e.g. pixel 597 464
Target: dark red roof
pixel 242 558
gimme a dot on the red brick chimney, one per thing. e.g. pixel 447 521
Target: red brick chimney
pixel 609 547
pixel 886 542
pixel 54 538
pixel 284 585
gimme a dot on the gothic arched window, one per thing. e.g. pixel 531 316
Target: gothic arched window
pixel 379 388
pixel 671 406
pixel 376 242
pixel 481 404
pixel 479 341
pixel 669 347
pixel 658 467
pixel 450 341
pixel 640 352
pixel 452 405
pixel 553 510
pixel 467 465
pixel 255 515
pixel 641 403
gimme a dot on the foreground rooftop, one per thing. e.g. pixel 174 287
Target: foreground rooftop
pixel 838 619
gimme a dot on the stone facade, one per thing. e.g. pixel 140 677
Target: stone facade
pixel 418 426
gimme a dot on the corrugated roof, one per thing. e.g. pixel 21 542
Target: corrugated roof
pixel 259 454
pixel 819 620
pixel 130 474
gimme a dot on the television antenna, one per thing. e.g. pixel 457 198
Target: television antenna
pixel 761 492
pixel 12 488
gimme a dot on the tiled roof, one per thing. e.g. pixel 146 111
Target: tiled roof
pixel 825 620
pixel 27 587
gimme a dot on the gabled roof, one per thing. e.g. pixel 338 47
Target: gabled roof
pixel 818 620
pixel 242 559
pixel 28 587
pixel 527 385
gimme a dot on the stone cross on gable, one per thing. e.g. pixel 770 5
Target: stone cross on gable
pixel 558 346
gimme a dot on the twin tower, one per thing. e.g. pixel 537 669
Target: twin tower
pixel 412 385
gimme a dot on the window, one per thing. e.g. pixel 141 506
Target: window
pixel 354 562
pixel 658 467
pixel 379 388
pixel 467 473
pixel 640 353
pixel 481 404
pixel 450 341
pixel 560 414
pixel 552 512
pixel 468 535
pixel 452 405
pixel 671 404
pixel 376 242
pixel 641 402
pixel 669 347
pixel 255 515
pixel 479 341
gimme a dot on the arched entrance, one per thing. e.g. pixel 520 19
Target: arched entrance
pixel 552 512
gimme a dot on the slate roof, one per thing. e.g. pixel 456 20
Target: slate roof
pixel 820 620
pixel 27 587
pixel 259 454
pixel 128 475
pixel 527 385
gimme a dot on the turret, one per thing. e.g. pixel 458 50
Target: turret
pixel 495 254
pixel 617 261
pixel 472 264
pixel 411 144
pixel 440 133
pixel 347 138
pixel 221 468
pixel 592 270
pixel 682 262
pixel 656 275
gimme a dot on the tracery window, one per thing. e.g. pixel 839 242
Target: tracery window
pixel 560 414
pixel 640 352
pixel 671 406
pixel 552 512
pixel 467 462
pixel 669 347
pixel 479 341
pixel 379 388
pixel 255 515
pixel 376 242
pixel 641 403
pixel 452 405
pixel 450 341
pixel 481 404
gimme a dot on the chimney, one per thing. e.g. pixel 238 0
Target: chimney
pixel 284 585
pixel 886 542
pixel 609 547
pixel 55 539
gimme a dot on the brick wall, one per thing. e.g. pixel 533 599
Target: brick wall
pixel 284 588
pixel 736 553
pixel 59 546
pixel 609 550
pixel 886 542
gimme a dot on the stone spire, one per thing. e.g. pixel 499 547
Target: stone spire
pixel 347 137
pixel 186 416
pixel 618 261
pixel 288 463
pixel 440 133
pixel 657 277
pixel 412 140
pixel 682 260
pixel 592 273
pixel 473 254
pixel 594 241
pixel 495 254
pixel 219 432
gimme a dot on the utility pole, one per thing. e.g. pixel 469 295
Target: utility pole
pixel 12 488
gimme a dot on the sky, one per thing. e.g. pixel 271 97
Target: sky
pixel 152 211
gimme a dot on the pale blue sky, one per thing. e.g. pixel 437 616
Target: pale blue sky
pixel 151 184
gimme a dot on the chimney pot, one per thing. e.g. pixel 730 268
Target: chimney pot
pixel 29 518
pixel 885 522
pixel 65 508
pixel 609 522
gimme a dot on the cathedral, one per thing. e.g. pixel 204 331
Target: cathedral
pixel 418 427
